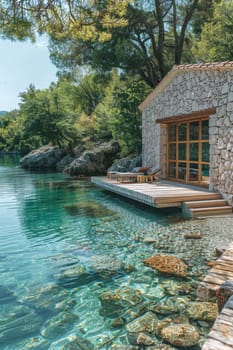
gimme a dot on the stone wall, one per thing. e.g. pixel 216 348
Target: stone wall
pixel 192 91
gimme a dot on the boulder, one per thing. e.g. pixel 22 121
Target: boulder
pixel 181 335
pixel 203 311
pixel 146 323
pixel 167 264
pixel 126 164
pixel 45 157
pixel 64 162
pixel 115 302
pixel 94 162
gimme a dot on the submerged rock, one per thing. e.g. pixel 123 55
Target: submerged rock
pixel 45 299
pixel 97 267
pixel 90 209
pixel 141 339
pixel 183 335
pixel 146 323
pixel 72 342
pixel 167 264
pixel 115 302
pixel 6 295
pixel 203 311
pixel 106 265
pixel 58 324
pixel 38 343
pixel 21 319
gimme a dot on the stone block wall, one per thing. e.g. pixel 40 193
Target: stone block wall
pixel 193 91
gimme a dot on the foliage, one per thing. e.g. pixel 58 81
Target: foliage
pixel 216 42
pixel 153 40
pixel 85 20
pixel 125 117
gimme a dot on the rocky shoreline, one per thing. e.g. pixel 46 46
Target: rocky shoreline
pixel 79 161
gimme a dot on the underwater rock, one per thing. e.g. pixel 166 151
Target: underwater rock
pixel 141 339
pixel 167 264
pixel 163 307
pixel 149 240
pixel 58 325
pixel 155 293
pixel 72 342
pixel 90 209
pixel 96 267
pixel 6 295
pixel 115 302
pixel 161 347
pixel 105 265
pixel 146 323
pixel 22 319
pixel 118 322
pixel 203 311
pixel 193 236
pixel 183 335
pixel 38 343
pixel 46 298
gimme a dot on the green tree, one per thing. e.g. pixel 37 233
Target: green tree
pixel 125 122
pixel 216 42
pixel 45 116
pixel 153 40
pixel 89 19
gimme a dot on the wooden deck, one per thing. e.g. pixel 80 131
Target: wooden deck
pixel 221 335
pixel 220 273
pixel 159 195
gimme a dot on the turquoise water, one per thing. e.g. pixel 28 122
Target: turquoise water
pixel 64 242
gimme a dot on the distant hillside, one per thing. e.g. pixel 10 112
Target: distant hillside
pixel 3 112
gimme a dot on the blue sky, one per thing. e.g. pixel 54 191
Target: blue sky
pixel 22 64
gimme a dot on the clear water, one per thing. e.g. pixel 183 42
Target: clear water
pixel 57 235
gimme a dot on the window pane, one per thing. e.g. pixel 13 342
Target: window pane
pixel 182 171
pixel 193 151
pixel 172 133
pixel 172 151
pixel 205 171
pixel 172 169
pixel 182 151
pixel 194 131
pixel 182 132
pixel 193 172
pixel 205 130
pixel 205 152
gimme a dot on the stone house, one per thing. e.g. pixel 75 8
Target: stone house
pixel 187 126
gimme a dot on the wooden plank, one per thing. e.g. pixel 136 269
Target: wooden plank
pixel 223 335
pixel 224 273
pixel 224 267
pixel 214 279
pixel 213 344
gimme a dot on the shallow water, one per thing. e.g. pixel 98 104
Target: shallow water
pixel 64 242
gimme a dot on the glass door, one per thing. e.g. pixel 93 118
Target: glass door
pixel 188 151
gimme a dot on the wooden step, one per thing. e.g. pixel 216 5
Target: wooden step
pixel 206 203
pixel 227 209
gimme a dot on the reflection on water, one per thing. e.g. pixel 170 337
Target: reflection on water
pixel 71 265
